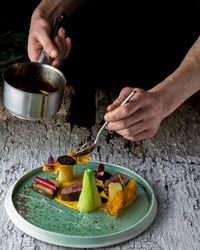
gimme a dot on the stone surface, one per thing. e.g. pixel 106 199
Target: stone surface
pixel 170 162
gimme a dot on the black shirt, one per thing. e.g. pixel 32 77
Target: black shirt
pixel 137 43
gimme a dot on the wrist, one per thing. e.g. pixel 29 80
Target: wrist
pixel 177 88
pixel 165 97
pixel 48 8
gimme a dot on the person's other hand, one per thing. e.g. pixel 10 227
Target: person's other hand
pixel 39 39
pixel 138 119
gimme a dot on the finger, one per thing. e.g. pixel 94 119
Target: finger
pixel 68 46
pixel 43 36
pixel 60 44
pixel 64 44
pixel 56 63
pixel 148 127
pixel 136 102
pixel 146 134
pixel 62 54
pixel 34 49
pixel 61 33
pixel 133 129
pixel 122 112
pixel 122 96
pixel 127 122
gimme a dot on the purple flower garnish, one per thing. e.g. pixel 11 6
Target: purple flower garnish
pixel 51 160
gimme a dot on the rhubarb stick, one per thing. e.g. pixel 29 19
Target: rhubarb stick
pixel 46 183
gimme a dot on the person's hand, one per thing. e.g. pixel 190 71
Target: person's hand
pixel 39 39
pixel 138 119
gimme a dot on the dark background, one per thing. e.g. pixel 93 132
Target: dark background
pixel 135 42
pixel 118 43
pixel 15 15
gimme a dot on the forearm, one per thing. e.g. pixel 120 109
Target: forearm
pixel 182 83
pixel 48 8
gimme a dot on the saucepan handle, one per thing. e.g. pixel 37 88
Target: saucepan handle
pixel 59 21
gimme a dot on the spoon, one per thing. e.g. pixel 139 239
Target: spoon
pixel 89 147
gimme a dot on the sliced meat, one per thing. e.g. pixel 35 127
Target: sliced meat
pixel 72 192
pixel 118 177
pixel 43 190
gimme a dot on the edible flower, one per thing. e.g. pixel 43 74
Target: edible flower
pixel 50 166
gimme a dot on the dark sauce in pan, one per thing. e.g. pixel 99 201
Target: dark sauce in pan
pixel 38 86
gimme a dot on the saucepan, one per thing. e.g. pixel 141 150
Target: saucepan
pixel 34 90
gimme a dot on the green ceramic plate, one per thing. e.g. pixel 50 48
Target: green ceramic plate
pixel 49 221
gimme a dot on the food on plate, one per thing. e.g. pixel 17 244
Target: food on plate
pixel 113 189
pixel 48 188
pixel 123 198
pixel 71 192
pixel 116 178
pixel 47 183
pixel 89 199
pixel 43 190
pixel 101 174
pixel 88 191
pixel 63 165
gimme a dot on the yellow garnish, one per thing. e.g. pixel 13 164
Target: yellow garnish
pixel 64 166
pixel 79 160
pixel 51 168
pixel 71 154
pixel 83 159
pixel 113 189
